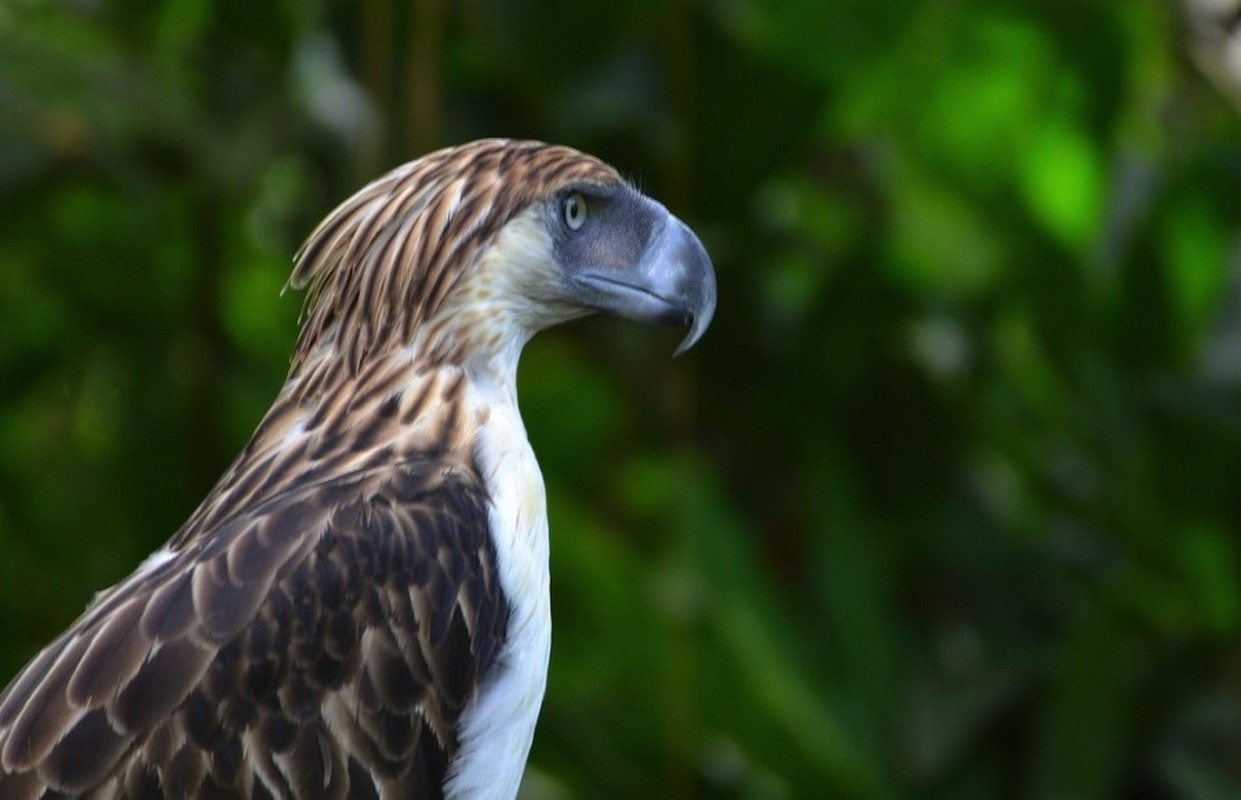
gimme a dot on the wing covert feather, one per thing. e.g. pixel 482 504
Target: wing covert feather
pixel 332 635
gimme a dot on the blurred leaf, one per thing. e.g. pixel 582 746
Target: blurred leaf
pixel 1096 681
pixel 1195 252
pixel 1062 181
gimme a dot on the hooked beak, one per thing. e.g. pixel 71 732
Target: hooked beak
pixel 673 283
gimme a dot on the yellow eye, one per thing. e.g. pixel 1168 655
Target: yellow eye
pixel 575 211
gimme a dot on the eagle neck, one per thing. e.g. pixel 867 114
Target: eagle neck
pixel 326 422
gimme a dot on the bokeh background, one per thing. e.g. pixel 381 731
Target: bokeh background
pixel 945 505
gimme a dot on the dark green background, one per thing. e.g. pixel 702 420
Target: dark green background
pixel 946 503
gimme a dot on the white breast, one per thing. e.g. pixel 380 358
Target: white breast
pixel 497 730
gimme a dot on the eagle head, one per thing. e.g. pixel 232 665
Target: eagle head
pixel 468 251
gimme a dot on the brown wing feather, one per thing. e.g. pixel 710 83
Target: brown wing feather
pixel 322 645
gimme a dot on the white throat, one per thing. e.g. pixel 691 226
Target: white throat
pixel 496 731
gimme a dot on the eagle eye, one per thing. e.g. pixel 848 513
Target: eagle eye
pixel 574 209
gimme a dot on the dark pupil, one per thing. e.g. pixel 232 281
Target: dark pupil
pixel 570 209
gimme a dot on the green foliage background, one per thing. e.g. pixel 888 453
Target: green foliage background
pixel 944 505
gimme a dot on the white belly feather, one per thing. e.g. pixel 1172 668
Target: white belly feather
pixel 497 729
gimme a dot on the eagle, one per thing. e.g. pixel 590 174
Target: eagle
pixel 360 606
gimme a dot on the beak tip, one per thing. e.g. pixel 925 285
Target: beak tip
pixel 703 305
pixel 699 323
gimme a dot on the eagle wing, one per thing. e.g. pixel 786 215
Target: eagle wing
pixel 322 644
